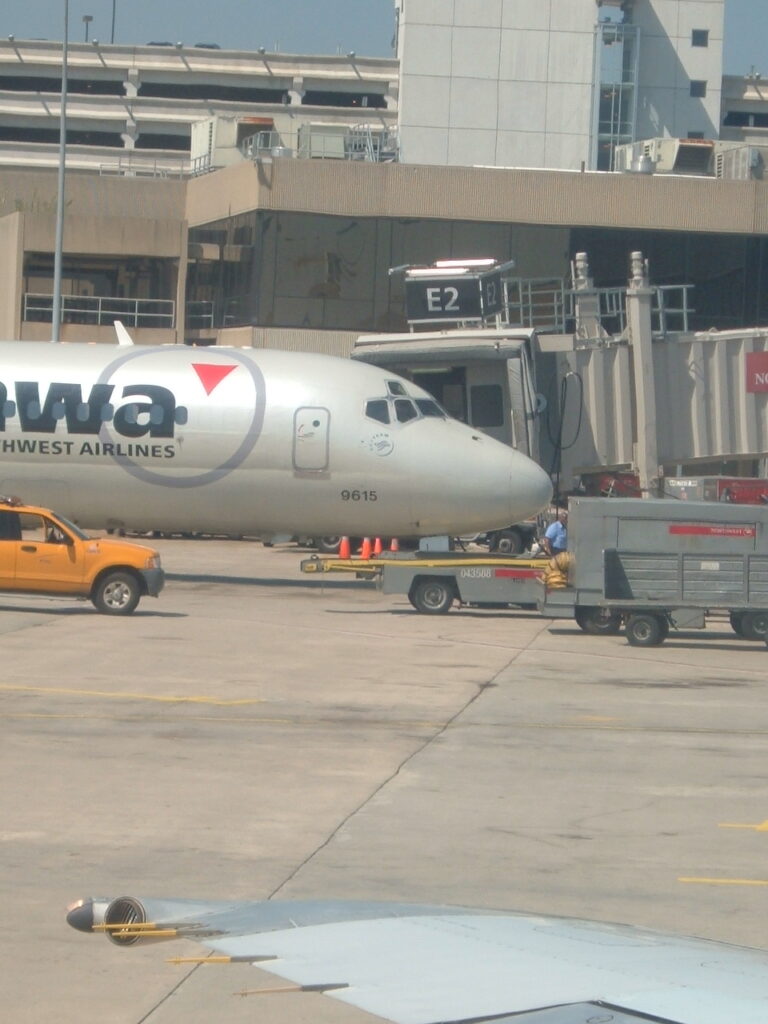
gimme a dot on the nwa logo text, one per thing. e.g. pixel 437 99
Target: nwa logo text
pixel 155 416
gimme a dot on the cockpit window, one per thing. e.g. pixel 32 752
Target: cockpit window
pixel 429 408
pixel 404 410
pixel 378 409
pixel 394 387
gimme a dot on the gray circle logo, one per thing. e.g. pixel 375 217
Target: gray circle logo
pixel 249 436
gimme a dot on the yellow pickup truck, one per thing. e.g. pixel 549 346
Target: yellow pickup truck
pixel 43 553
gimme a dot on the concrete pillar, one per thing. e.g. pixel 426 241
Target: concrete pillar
pixel 586 301
pixel 131 83
pixel 296 92
pixel 639 298
pixel 181 284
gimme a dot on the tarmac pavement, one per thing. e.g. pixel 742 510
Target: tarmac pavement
pixel 255 732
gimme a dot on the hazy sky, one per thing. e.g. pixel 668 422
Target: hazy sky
pixel 298 26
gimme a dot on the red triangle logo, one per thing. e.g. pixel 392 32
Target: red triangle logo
pixel 211 374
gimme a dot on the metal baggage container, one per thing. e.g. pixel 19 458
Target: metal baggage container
pixel 657 563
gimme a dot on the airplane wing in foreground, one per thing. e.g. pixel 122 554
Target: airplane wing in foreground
pixel 416 964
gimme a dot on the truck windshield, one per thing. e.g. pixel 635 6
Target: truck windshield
pixel 72 528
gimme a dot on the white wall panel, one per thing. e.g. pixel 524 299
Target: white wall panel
pixel 571 57
pixel 696 62
pixel 421 145
pixel 659 63
pixel 474 103
pixel 484 13
pixel 427 100
pixel 525 14
pixel 520 149
pixel 572 16
pixel 475 53
pixel 522 106
pixel 524 56
pixel 566 151
pixel 568 109
pixel 702 15
pixel 657 17
pixel 655 110
pixel 428 12
pixel 472 146
pixel 427 49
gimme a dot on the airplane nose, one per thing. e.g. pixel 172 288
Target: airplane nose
pixel 530 487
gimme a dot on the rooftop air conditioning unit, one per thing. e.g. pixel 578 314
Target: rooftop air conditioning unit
pixel 668 156
pixel 318 141
pixel 740 163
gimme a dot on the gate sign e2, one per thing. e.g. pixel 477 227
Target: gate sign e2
pixel 757 372
pixel 452 299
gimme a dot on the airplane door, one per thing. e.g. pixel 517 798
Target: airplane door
pixel 310 438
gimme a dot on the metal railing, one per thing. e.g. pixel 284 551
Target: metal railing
pixel 671 314
pixel 547 304
pixel 200 315
pixel 101 310
pixel 537 302
pixel 670 308
pixel 161 167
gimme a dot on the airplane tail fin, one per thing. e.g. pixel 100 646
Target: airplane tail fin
pixel 123 337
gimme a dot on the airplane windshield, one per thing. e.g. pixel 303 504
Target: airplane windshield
pixel 378 409
pixel 402 409
pixel 428 407
pixel 405 410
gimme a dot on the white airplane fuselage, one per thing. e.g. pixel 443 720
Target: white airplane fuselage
pixel 246 441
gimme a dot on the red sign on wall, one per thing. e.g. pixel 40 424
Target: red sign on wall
pixel 757 372
pixel 711 530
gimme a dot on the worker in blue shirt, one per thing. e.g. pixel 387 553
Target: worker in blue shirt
pixel 555 538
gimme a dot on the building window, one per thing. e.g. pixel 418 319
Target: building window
pixel 700 37
pixel 741 119
pixel 695 135
pixel 698 89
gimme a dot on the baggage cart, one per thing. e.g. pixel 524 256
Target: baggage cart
pixel 657 563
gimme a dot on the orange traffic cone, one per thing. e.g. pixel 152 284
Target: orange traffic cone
pixel 393 545
pixel 344 549
pixel 365 550
pixel 376 547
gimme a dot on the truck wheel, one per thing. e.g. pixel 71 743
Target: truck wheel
pixel 509 542
pixel 646 629
pixel 754 625
pixel 432 596
pixel 598 621
pixel 735 618
pixel 117 593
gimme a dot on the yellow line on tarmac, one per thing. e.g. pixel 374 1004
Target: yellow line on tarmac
pixel 130 696
pixel 762 827
pixel 726 881
pixel 239 720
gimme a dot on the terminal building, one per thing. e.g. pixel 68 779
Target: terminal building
pixel 225 197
